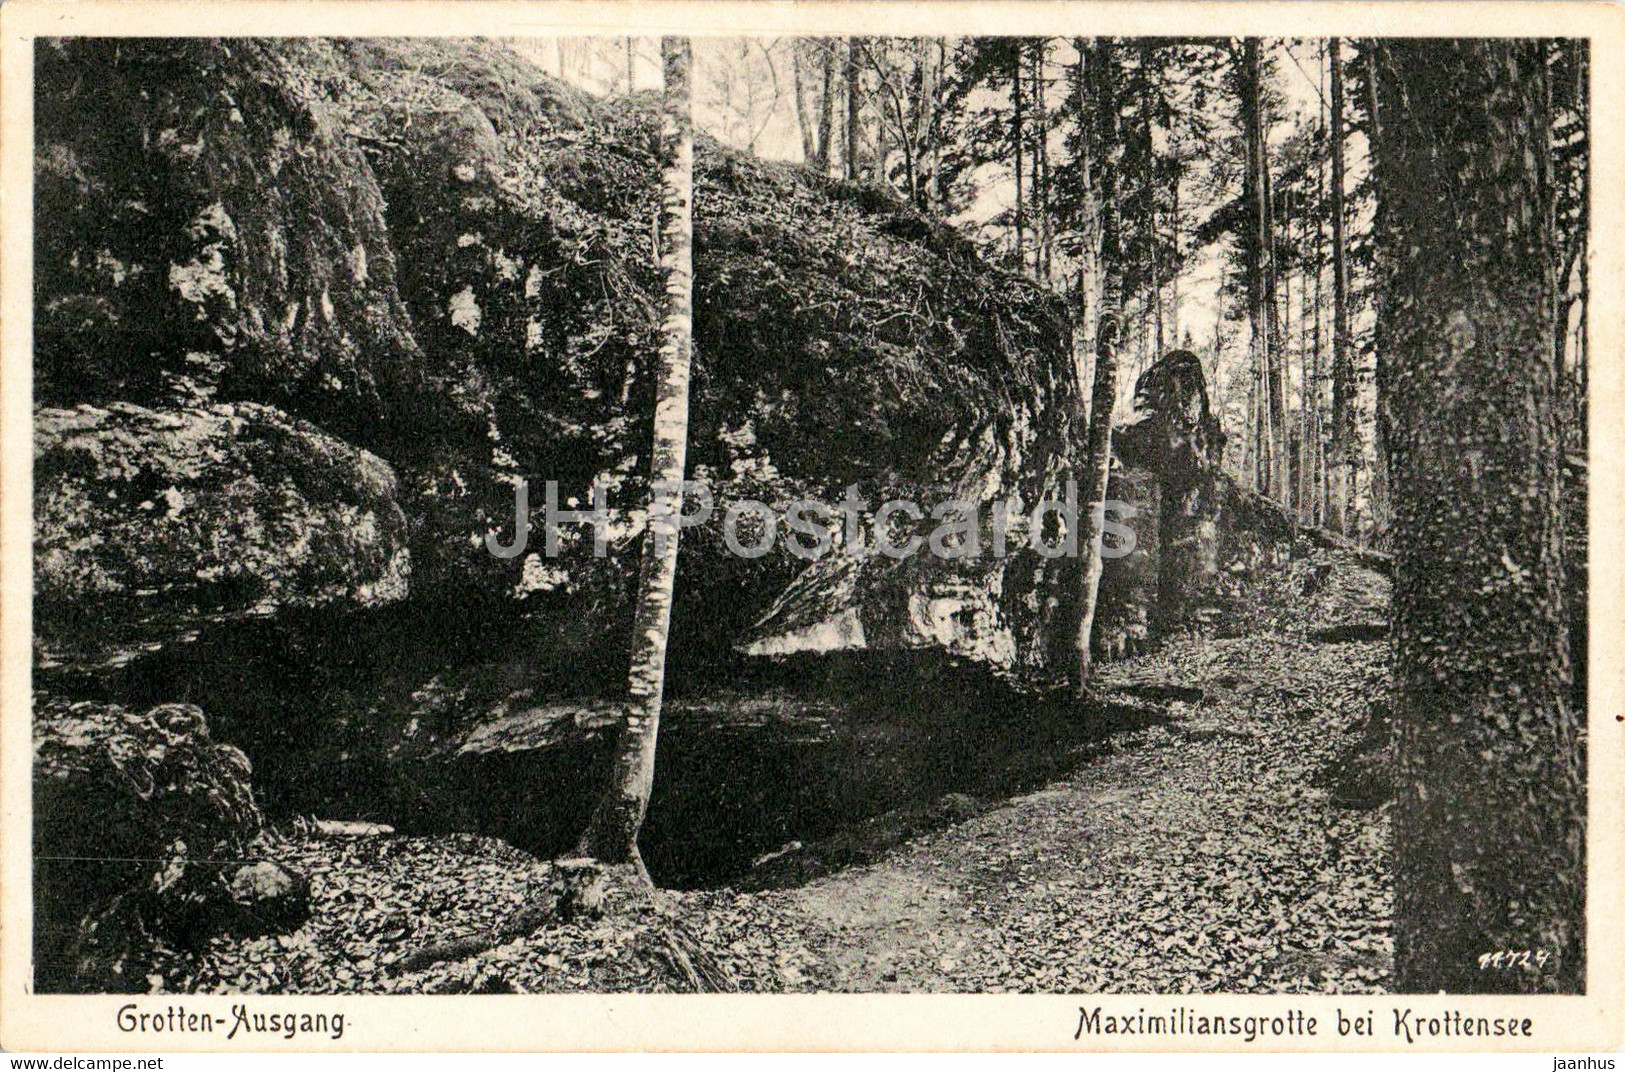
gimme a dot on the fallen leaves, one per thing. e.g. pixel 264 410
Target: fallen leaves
pixel 1196 856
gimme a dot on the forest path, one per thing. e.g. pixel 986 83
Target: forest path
pixel 1200 855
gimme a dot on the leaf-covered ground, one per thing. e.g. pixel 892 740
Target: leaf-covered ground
pixel 1205 853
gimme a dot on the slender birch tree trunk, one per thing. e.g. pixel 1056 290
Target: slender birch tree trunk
pixel 1088 225
pixel 1103 393
pixel 612 836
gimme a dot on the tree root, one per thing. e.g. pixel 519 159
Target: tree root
pixel 689 958
pixel 585 889
pixel 575 890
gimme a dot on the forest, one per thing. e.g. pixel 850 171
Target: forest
pixel 1230 394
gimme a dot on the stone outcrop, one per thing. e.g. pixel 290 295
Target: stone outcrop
pixel 1202 536
pixel 144 515
pixel 433 253
pixel 137 818
pixel 1197 537
pixel 309 309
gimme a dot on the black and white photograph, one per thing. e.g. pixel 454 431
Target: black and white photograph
pixel 532 514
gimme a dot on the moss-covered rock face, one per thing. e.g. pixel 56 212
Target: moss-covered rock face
pixel 142 514
pixel 442 260
pixel 437 255
pixel 204 230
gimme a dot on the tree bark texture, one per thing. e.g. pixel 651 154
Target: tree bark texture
pixel 1489 822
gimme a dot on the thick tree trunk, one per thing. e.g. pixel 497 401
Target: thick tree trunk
pixel 1275 358
pixel 1489 824
pixel 938 68
pixel 1261 307
pixel 877 168
pixel 1380 512
pixel 923 129
pixel 1155 341
pixel 612 836
pixel 1265 301
pixel 1257 441
pixel 1040 186
pixel 804 122
pixel 1317 408
pixel 1304 487
pixel 1174 232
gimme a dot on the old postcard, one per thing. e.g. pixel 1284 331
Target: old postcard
pixel 1042 526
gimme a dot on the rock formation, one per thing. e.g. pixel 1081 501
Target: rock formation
pixel 307 310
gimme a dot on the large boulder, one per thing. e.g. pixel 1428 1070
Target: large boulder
pixel 1198 539
pixel 205 231
pixel 841 339
pixel 137 815
pixel 433 252
pixel 142 516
